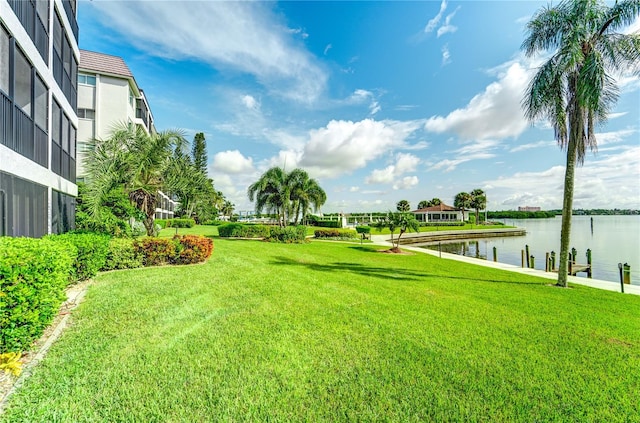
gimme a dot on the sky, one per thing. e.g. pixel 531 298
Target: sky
pixel 379 101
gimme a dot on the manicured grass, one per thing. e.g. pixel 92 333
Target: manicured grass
pixel 337 332
pixel 467 226
pixel 206 230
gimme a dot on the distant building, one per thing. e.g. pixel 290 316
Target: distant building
pixel 108 95
pixel 529 209
pixel 441 213
pixel 38 81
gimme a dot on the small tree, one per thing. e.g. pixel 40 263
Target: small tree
pixel 478 202
pixel 398 220
pixel 462 202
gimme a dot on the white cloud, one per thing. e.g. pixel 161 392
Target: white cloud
pixel 446 55
pixel 477 150
pixel 532 145
pixel 250 102
pixel 354 189
pixel 495 113
pixel 604 138
pixel 244 36
pixel 403 163
pixel 343 146
pixel 232 161
pixel 382 176
pixel 361 96
pixel 327 48
pixel 433 23
pixel 406 182
pixel 607 181
pixel 447 27
pixel 616 115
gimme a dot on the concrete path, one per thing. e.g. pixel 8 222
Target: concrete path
pixel 594 283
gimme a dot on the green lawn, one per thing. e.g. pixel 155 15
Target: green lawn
pixel 337 332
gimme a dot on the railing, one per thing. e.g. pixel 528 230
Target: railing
pixel 23 137
pixel 6 120
pixel 42 40
pixel 41 155
pixel 64 81
pixel 56 152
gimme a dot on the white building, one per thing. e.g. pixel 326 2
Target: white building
pixel 38 81
pixel 441 213
pixel 108 95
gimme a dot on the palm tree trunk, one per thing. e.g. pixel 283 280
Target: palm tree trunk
pixel 567 209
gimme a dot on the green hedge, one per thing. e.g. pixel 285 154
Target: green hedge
pixel 442 224
pixel 92 252
pixel 328 223
pixel 33 277
pixel 289 234
pixel 241 230
pixel 122 255
pixel 180 223
pixel 335 233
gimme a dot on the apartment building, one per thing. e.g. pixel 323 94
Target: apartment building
pixel 38 122
pixel 108 95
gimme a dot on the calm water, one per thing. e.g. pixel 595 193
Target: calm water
pixel 614 239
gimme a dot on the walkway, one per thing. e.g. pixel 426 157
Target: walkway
pixel 593 283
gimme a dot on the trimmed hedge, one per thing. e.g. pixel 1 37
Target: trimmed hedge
pixel 289 234
pixel 186 249
pixel 122 255
pixel 241 230
pixel 328 223
pixel 335 233
pixel 442 223
pixel 363 229
pixel 180 223
pixel 33 276
pixel 92 252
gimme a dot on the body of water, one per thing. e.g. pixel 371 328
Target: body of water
pixel 612 240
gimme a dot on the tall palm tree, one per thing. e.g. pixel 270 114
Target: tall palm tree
pixel 135 160
pixel 272 193
pixel 575 89
pixel 462 201
pixel 305 192
pixel 478 202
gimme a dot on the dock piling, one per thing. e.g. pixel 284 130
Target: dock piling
pixel 532 262
pixel 621 278
pixel 495 254
pixel 589 272
pixel 547 262
pixel 526 247
pixel 626 273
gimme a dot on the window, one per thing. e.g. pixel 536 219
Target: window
pixel 56 114
pixel 86 114
pixel 42 104
pixel 131 98
pixel 22 95
pixel 65 133
pixel 87 79
pixel 72 142
pixel 42 7
pixel 4 60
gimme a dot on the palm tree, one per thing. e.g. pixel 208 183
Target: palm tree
pixel 403 206
pixel 135 160
pixel 227 208
pixel 575 89
pixel 478 202
pixel 433 202
pixel 462 201
pixel 423 204
pixel 272 193
pixel 305 192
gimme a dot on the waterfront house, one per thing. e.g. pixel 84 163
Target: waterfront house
pixel 441 213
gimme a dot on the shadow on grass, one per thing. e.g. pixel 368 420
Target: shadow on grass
pixel 388 273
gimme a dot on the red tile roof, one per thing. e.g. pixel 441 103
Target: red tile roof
pixel 103 63
pixel 439 208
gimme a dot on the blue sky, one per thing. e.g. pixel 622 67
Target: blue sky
pixel 379 101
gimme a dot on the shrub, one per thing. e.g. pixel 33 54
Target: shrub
pixel 122 255
pixel 161 222
pixel 335 233
pixel 155 251
pixel 180 223
pixel 363 229
pixel 10 363
pixel 193 249
pixel 138 229
pixel 328 223
pixel 92 252
pixel 213 222
pixel 33 276
pixel 239 230
pixel 289 234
